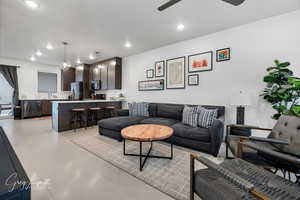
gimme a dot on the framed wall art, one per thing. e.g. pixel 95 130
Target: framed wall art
pixel 150 73
pixel 159 69
pixel 200 62
pixel 223 54
pixel 193 79
pixel 152 85
pixel 175 73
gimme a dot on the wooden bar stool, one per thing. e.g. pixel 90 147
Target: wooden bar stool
pixel 94 114
pixel 78 118
pixel 110 111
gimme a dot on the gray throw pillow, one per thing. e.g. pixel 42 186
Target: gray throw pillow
pixel 190 116
pixel 206 117
pixel 138 109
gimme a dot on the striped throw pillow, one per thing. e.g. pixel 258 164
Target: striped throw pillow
pixel 190 116
pixel 138 109
pixel 206 117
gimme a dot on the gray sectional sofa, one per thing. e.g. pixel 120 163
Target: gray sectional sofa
pixel 203 139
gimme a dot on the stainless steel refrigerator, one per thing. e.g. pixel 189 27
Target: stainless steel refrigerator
pixel 77 90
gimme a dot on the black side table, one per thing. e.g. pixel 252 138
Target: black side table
pixel 238 130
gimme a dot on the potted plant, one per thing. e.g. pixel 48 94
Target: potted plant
pixel 282 90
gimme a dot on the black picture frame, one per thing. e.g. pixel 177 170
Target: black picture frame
pixel 193 84
pixel 163 69
pixel 162 83
pixel 217 54
pixel 184 69
pixel 211 61
pixel 152 71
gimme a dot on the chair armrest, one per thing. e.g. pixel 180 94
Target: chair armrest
pixel 268 140
pixel 122 112
pixel 233 143
pixel 217 133
pixel 250 127
pixel 271 152
pixel 223 172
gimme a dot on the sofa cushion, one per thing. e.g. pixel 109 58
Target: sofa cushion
pixel 138 109
pixel 159 120
pixel 172 111
pixel 190 116
pixel 206 117
pixel 118 123
pixel 189 132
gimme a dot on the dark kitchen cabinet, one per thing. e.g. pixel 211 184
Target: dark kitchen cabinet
pixel 103 76
pixel 31 108
pixel 46 107
pixel 109 72
pixel 95 72
pixel 67 77
pixel 36 108
pixel 115 74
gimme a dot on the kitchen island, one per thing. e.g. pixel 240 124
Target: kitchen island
pixel 62 111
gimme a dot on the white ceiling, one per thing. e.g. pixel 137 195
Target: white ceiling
pixel 105 25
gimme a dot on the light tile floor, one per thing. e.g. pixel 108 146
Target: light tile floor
pixel 74 174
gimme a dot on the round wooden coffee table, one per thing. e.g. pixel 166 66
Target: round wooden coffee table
pixel 146 133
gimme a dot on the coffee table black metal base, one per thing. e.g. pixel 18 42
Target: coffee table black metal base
pixel 146 156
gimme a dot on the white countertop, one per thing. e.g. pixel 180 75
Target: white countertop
pixel 86 101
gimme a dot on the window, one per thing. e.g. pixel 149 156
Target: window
pixel 47 82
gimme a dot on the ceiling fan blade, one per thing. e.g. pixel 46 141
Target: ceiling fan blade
pixel 168 4
pixel 234 2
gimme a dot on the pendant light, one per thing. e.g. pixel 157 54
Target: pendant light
pixel 65 64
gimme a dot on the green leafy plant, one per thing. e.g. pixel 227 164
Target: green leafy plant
pixel 282 90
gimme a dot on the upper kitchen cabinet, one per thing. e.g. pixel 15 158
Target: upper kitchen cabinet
pixel 114 74
pixel 109 72
pixel 82 73
pixel 67 77
pixel 103 76
pixel 95 72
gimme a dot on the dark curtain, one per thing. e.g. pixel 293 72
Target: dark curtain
pixel 10 74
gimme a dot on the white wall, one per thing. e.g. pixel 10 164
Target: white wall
pixel 28 78
pixel 254 47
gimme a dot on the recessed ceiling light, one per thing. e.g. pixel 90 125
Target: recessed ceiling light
pixel 78 61
pixel 49 46
pixel 39 53
pixel 32 58
pixel 127 45
pixel 31 4
pixel 91 57
pixel 180 27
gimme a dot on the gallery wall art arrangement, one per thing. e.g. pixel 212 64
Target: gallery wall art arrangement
pixel 174 70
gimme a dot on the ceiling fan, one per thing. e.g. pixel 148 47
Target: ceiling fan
pixel 172 2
